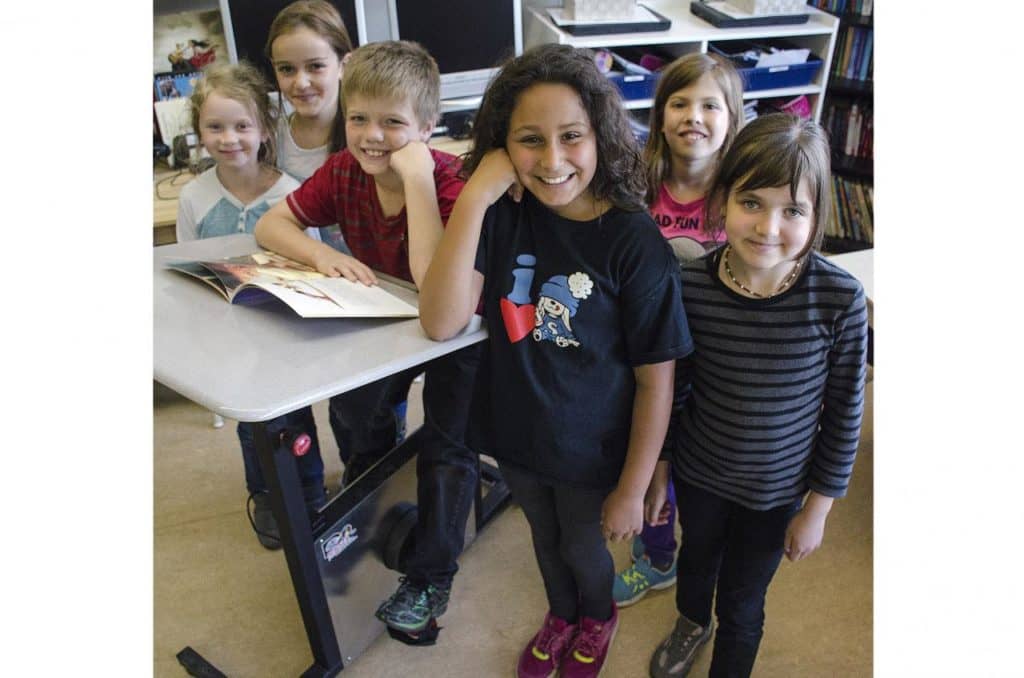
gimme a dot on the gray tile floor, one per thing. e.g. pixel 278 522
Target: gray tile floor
pixel 217 590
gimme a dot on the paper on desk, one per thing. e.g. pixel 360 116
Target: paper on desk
pixel 173 118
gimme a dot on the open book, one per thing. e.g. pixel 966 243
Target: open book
pixel 257 278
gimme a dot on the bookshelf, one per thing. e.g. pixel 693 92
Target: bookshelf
pixel 848 115
pixel 689 33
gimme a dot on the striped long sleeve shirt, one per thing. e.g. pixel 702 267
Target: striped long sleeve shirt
pixel 776 386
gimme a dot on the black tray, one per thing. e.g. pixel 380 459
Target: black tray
pixel 720 20
pixel 660 23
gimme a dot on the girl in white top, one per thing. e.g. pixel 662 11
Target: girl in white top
pixel 231 113
pixel 306 45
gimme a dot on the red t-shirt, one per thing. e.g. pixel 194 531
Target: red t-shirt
pixel 341 192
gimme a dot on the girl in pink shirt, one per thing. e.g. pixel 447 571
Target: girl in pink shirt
pixel 697 111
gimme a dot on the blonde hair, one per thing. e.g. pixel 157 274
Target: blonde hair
pixel 395 69
pixel 243 83
pixel 322 18
pixel 681 73
pixel 778 149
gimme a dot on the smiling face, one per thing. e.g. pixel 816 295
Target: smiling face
pixel 554 149
pixel 308 73
pixel 230 132
pixel 767 229
pixel 696 120
pixel 376 127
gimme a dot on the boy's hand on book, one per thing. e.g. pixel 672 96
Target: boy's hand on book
pixel 494 176
pixel 334 264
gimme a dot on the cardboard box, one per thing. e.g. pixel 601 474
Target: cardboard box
pixel 598 10
pixel 770 7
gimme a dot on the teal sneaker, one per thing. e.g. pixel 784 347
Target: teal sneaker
pixel 637 550
pixel 634 582
pixel 411 607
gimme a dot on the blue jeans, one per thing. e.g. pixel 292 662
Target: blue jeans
pixel 310 465
pixel 365 427
pixel 736 550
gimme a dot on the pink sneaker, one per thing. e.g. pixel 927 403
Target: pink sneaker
pixel 545 651
pixel 590 647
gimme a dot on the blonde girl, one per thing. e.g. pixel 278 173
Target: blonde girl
pixel 231 112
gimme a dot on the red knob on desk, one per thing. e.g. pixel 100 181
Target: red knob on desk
pixel 301 444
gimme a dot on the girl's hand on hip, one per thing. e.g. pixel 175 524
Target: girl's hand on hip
pixel 622 516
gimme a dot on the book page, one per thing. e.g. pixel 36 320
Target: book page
pixel 359 300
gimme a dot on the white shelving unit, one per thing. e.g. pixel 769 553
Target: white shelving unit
pixel 689 33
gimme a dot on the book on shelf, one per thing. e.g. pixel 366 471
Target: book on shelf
pixel 852 64
pixel 264 276
pixel 851 211
pixel 864 74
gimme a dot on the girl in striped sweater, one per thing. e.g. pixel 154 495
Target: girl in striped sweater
pixel 769 405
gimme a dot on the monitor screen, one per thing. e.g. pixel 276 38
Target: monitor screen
pixel 468 38
pixel 247 23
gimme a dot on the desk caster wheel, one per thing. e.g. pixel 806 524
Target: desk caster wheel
pixel 398 535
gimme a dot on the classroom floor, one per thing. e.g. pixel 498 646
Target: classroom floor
pixel 217 590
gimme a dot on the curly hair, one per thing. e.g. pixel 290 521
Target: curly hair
pixel 679 74
pixel 243 83
pixel 772 150
pixel 619 176
pixel 322 18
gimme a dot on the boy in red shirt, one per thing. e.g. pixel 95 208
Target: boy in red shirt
pixel 391 195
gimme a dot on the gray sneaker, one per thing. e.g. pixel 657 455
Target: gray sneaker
pixel 675 655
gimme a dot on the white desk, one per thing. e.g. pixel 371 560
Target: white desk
pixel 256 363
pixel 861 265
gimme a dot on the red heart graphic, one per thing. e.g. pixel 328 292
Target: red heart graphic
pixel 518 319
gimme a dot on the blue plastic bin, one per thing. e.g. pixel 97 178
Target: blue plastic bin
pixel 772 77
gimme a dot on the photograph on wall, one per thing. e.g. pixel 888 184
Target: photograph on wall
pixel 187 41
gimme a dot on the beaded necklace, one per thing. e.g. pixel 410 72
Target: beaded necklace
pixel 785 283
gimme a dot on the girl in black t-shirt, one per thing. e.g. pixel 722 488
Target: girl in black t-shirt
pixel 582 297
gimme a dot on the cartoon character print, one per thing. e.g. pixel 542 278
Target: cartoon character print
pixel 559 300
pixel 550 318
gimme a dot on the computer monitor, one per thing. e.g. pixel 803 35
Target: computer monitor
pixel 247 24
pixel 468 38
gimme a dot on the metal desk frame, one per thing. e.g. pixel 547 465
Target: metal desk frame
pixel 254 364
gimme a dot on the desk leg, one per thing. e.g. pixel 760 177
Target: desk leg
pixel 286 501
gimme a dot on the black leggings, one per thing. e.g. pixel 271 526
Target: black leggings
pixel 574 561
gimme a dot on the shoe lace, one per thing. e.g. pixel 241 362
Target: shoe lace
pixel 684 636
pixel 635 577
pixel 408 594
pixel 550 641
pixel 587 641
